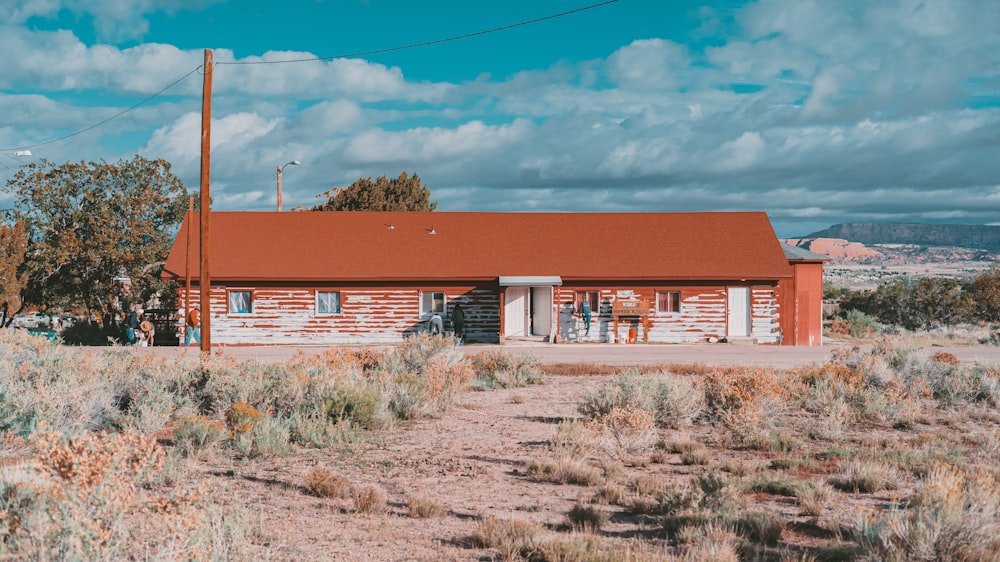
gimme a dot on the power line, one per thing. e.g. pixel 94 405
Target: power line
pixel 109 119
pixel 427 43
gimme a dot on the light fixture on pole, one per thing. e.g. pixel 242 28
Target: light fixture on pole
pixel 280 168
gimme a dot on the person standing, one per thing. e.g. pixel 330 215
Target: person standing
pixel 132 326
pixel 458 322
pixel 586 313
pixel 192 327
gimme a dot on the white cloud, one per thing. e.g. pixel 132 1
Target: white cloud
pixel 817 111
pixel 230 135
pixel 425 144
pixel 649 64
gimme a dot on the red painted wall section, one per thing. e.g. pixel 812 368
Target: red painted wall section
pixel 368 315
pixel 702 316
pixel 809 303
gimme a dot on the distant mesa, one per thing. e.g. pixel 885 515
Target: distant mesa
pixel 975 236
pixel 893 243
pixel 838 249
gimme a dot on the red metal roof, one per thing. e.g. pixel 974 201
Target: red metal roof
pixel 396 246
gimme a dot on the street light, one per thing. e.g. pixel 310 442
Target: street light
pixel 280 168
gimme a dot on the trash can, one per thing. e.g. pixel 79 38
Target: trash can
pixel 632 333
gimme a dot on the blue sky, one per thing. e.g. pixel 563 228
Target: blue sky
pixel 817 112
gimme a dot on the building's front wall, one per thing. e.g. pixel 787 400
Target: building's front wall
pixel 287 315
pixel 702 316
pixel 803 299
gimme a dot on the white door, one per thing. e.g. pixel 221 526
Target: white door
pixel 738 312
pixel 515 310
pixel 541 308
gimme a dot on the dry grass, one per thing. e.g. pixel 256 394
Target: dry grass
pixel 324 483
pixel 422 507
pixel 369 499
pixel 564 470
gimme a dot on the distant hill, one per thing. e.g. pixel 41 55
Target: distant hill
pixel 978 236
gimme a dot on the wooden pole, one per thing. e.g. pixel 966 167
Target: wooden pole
pixel 187 265
pixel 205 280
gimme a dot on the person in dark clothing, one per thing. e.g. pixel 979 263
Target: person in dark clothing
pixel 132 326
pixel 586 313
pixel 458 322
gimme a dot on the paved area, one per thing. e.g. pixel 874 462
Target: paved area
pixel 640 354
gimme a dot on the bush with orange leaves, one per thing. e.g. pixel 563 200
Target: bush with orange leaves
pixel 88 497
pixel 746 401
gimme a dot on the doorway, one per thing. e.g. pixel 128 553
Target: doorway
pixel 528 311
pixel 738 312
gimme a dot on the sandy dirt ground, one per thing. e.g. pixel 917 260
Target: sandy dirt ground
pixel 472 461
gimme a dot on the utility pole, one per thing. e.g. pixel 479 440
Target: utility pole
pixel 187 267
pixel 205 281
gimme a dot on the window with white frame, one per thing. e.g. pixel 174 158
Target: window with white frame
pixel 327 302
pixel 668 302
pixel 240 302
pixel 432 302
pixel 591 296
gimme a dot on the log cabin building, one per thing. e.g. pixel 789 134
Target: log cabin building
pixel 331 278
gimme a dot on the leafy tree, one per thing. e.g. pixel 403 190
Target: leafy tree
pixel 93 225
pixel 405 193
pixel 923 303
pixel 984 296
pixel 13 246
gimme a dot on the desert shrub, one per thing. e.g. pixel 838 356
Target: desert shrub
pixel 778 486
pixel 626 432
pixel 708 543
pixel 860 324
pixel 421 507
pixel 193 434
pixel 88 497
pixel 572 438
pixel 369 499
pixel 500 369
pixel 867 477
pixel 627 391
pixel 242 418
pixel 610 493
pixel 587 519
pixel 696 457
pixel 425 373
pixel 677 402
pixel 317 430
pixel 268 437
pixel 510 537
pixel 952 517
pixel 746 401
pixel 760 526
pixel 564 470
pixel 672 401
pixel 324 483
pixel 813 498
pixel 412 355
pixel 359 403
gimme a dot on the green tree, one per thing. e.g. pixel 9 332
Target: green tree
pixel 405 193
pixel 98 232
pixel 13 247
pixel 984 296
